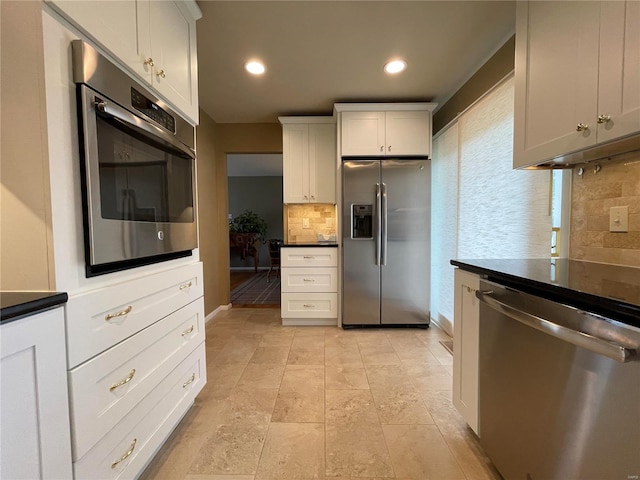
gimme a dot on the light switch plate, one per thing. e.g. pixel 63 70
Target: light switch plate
pixel 619 219
pixel 305 223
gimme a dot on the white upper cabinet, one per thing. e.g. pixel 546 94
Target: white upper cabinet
pixel 322 162
pixel 619 81
pixel 385 129
pixel 308 159
pixel 577 77
pixel 363 133
pixel 172 40
pixel 408 133
pixel 156 40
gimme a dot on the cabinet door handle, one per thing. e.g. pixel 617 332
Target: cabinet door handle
pixel 126 455
pixel 308 305
pixel 382 148
pixel 187 331
pixel 185 285
pixel 160 73
pixel 124 381
pixel 190 381
pixel 389 149
pixel 581 127
pixel 149 62
pixel 124 312
pixel 604 118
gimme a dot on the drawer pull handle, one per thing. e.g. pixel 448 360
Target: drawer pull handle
pixel 308 257
pixel 308 305
pixel 123 382
pixel 190 381
pixel 308 280
pixel 187 331
pixel 124 312
pixel 126 455
pixel 185 285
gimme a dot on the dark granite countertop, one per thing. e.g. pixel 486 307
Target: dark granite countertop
pixel 311 244
pixel 15 305
pixel 609 290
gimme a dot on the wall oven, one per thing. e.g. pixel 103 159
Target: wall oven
pixel 138 169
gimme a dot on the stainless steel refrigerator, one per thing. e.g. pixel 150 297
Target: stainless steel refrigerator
pixel 386 241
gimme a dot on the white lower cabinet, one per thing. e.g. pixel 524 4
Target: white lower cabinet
pixel 129 446
pixel 104 389
pixel 126 399
pixel 309 285
pixel 34 410
pixel 466 337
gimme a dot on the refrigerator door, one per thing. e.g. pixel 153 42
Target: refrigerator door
pixel 360 243
pixel 405 241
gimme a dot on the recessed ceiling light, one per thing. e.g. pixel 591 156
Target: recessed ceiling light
pixel 254 67
pixel 395 66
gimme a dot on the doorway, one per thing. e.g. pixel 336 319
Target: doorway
pixel 255 217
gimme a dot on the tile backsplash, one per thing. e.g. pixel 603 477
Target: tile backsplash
pixel 592 196
pixel 321 218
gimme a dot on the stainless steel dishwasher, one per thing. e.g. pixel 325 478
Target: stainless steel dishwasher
pixel 559 389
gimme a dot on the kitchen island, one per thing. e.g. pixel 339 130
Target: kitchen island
pixel 610 290
pixel 546 365
pixel 17 304
pixel 36 439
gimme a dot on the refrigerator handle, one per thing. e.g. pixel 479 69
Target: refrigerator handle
pixel 384 224
pixel 378 223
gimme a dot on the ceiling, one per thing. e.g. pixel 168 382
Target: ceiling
pixel 321 52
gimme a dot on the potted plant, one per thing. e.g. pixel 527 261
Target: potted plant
pixel 248 222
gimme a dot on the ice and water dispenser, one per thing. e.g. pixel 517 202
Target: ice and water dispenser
pixel 362 221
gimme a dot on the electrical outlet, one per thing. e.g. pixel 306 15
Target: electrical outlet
pixel 619 219
pixel 305 223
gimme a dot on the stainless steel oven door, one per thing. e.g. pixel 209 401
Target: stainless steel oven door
pixel 139 185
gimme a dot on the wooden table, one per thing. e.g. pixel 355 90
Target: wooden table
pixel 248 244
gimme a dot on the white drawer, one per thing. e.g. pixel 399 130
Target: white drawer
pixel 309 305
pixel 309 257
pixel 137 365
pixel 309 279
pixel 92 327
pixel 148 424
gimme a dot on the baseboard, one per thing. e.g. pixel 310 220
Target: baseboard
pixel 309 322
pixel 221 308
pixel 444 324
pixel 247 269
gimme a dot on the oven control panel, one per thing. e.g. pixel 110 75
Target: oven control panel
pixel 152 110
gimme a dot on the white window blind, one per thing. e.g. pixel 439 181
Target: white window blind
pixel 499 212
pixel 444 223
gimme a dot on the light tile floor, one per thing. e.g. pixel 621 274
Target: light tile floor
pixel 321 402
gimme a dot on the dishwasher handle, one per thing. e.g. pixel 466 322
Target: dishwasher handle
pixel 597 345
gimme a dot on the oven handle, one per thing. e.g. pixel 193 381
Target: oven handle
pixel 597 345
pixel 141 126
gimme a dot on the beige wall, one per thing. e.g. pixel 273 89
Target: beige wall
pixel 215 141
pixel 496 68
pixel 592 195
pixel 26 245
